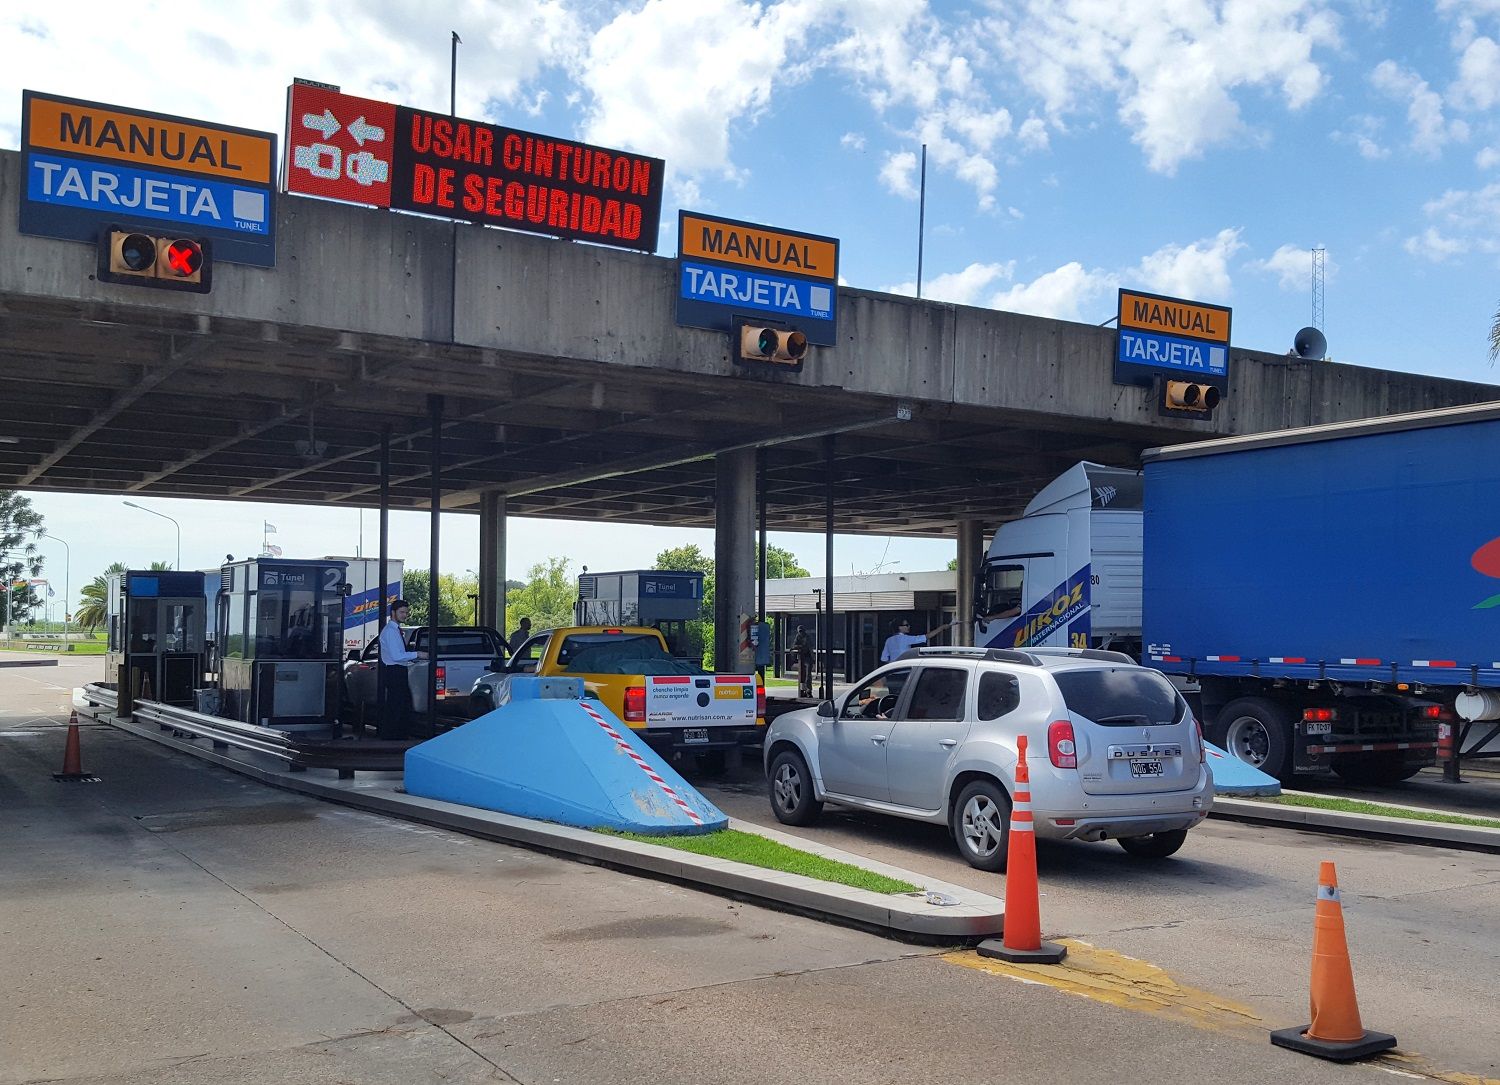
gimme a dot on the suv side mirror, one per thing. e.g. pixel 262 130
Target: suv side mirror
pixel 825 709
pixel 353 656
pixel 497 664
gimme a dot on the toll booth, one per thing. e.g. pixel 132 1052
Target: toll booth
pixel 280 640
pixel 158 625
pixel 665 600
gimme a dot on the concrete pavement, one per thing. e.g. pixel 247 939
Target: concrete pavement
pixel 176 923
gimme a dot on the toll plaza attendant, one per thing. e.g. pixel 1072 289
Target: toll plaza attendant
pixel 903 638
pixel 395 660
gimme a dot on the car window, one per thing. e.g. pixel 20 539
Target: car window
pixel 999 693
pixel 876 699
pixel 468 643
pixel 614 653
pixel 529 654
pixel 1121 696
pixel 939 694
pixel 371 652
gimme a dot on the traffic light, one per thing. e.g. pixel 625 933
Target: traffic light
pixel 1186 397
pixel 766 343
pixel 164 261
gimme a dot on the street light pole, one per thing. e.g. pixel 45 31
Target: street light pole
pixel 175 524
pixel 67 580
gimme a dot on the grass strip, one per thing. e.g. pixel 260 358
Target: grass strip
pixel 760 851
pixel 1357 806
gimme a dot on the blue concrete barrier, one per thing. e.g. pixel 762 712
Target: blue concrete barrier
pixel 1234 777
pixel 551 755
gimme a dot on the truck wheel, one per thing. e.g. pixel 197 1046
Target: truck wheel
pixel 1374 769
pixel 1154 845
pixel 980 821
pixel 792 798
pixel 1259 733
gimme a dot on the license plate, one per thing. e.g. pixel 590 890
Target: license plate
pixel 691 735
pixel 1145 768
pixel 1318 728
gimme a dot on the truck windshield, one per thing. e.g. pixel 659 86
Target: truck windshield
pixel 1121 697
pixel 611 653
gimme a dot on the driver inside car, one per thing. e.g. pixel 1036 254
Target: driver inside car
pixel 878 700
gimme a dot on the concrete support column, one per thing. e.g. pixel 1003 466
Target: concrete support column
pixel 734 558
pixel 970 559
pixel 492 561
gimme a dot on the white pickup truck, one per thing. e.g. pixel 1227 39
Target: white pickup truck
pixel 464 653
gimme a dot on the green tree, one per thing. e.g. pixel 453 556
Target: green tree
pixel 454 605
pixel 780 563
pixel 20 527
pixel 546 597
pixel 95 595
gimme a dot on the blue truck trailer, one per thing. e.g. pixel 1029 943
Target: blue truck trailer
pixel 1330 596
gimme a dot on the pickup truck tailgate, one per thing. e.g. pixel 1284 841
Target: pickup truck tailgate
pixel 706 700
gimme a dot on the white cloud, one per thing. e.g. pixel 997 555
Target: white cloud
pixel 1430 132
pixel 1363 131
pixel 1488 158
pixel 1433 246
pixel 676 77
pixel 1199 271
pixel 1463 222
pixel 855 141
pixel 964 287
pixel 899 174
pixel 1172 67
pixel 1478 83
pixel 1061 294
pixel 1292 266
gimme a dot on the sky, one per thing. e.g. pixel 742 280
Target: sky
pixel 1190 148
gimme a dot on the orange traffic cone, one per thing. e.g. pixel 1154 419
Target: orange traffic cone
pixel 72 770
pixel 1021 936
pixel 1335 1032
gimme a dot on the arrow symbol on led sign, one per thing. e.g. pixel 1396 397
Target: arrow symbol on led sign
pixel 325 124
pixel 362 131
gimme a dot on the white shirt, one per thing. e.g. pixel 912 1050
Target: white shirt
pixel 897 643
pixel 393 650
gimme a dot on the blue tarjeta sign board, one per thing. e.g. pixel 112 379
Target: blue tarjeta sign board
pixel 728 269
pixel 90 165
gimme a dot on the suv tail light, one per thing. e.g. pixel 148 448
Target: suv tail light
pixel 760 701
pixel 1202 750
pixel 442 681
pixel 1060 745
pixel 635 704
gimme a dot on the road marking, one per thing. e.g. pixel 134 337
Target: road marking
pixel 1117 980
pixel 1104 975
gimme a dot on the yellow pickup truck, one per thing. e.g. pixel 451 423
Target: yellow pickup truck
pixel 671 703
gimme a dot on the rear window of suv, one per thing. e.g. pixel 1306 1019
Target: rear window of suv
pixel 1121 696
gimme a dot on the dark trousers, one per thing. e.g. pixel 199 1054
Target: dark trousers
pixel 804 677
pixel 395 712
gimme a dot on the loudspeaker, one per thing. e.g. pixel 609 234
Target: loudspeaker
pixel 1310 344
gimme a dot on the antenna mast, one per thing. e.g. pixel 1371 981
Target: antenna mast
pixel 1319 255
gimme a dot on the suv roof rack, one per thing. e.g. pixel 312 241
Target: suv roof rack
pixel 1086 653
pixel 993 655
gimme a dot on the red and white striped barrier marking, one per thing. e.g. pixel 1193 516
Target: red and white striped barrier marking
pixel 1369 747
pixel 641 762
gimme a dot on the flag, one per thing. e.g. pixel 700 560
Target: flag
pixel 273 550
pixel 270 527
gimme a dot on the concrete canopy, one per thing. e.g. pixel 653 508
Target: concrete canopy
pixel 567 385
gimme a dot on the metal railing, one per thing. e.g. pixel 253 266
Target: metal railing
pixel 299 753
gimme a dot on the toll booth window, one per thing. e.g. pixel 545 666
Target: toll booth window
pixel 939 694
pixel 143 625
pixel 182 633
pixel 234 630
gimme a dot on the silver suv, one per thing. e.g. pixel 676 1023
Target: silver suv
pixel 1113 749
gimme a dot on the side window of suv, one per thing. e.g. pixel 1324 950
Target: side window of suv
pixel 999 693
pixel 529 655
pixel 877 699
pixel 939 694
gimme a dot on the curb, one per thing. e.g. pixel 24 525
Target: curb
pixel 970 918
pixel 1434 834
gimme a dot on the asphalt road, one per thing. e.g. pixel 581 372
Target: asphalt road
pixel 1233 913
pixel 176 923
